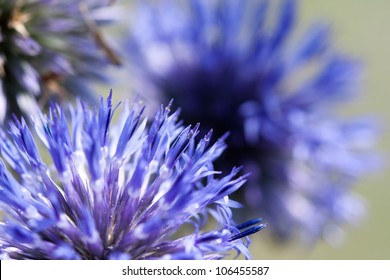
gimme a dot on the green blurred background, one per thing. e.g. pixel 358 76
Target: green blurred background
pixel 361 29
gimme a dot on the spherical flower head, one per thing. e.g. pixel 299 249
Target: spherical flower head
pixel 119 191
pixel 51 48
pixel 235 66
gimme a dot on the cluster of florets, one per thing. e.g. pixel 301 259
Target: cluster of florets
pixel 51 49
pixel 119 191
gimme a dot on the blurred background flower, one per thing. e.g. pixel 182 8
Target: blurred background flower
pixel 51 49
pixel 239 66
pixel 115 192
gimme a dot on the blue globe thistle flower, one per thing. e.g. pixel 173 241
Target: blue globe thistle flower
pixel 50 48
pixel 235 66
pixel 118 191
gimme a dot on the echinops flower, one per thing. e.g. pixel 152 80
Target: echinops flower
pixel 51 48
pixel 235 66
pixel 119 191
